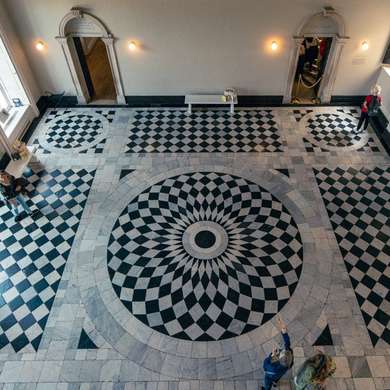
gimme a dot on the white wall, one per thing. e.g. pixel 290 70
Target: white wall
pixel 204 45
pixel 9 77
pixel 16 51
pixel 384 82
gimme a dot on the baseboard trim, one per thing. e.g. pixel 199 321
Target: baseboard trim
pixel 155 101
pixel 178 101
pixel 347 100
pixel 260 100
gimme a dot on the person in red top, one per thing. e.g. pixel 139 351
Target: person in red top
pixel 370 106
pixel 322 47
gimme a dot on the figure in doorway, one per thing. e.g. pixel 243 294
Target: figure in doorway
pixel 12 190
pixel 301 60
pixel 311 51
pixel 279 361
pixel 370 107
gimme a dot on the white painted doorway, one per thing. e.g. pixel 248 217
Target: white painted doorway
pixel 327 24
pixel 80 25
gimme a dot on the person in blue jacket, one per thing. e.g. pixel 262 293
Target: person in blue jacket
pixel 279 361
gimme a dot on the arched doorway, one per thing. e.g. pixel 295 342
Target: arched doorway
pixel 77 29
pixel 330 26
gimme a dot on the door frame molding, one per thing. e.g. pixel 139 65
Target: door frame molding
pixel 74 24
pixel 330 72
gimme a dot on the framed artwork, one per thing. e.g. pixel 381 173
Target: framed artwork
pixel 386 59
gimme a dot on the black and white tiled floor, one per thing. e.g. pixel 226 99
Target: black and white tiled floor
pixel 166 244
pixel 80 131
pixel 370 147
pixel 299 114
pixel 334 132
pixel 203 131
pixel 220 256
pixel 33 253
pixel 358 204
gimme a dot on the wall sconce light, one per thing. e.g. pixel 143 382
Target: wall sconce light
pixel 274 45
pixel 365 45
pixel 40 45
pixel 132 45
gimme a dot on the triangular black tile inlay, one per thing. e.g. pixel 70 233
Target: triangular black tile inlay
pixel 125 172
pixel 325 338
pixel 284 171
pixel 85 342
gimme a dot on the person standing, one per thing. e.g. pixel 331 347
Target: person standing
pixel 301 60
pixel 370 107
pixel 311 51
pixel 314 372
pixel 279 361
pixel 12 192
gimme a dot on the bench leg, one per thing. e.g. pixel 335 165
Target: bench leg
pixel 189 108
pixel 231 108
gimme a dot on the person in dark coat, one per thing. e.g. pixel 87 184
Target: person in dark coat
pixel 279 361
pixel 311 51
pixel 301 60
pixel 11 191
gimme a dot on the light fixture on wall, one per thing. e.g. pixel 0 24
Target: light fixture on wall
pixel 274 45
pixel 132 45
pixel 40 45
pixel 365 45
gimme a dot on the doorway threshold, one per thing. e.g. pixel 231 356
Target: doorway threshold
pixel 103 102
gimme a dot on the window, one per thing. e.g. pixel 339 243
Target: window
pixel 5 102
pixel 10 85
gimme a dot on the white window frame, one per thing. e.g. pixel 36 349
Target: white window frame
pixel 5 96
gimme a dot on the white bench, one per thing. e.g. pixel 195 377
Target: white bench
pixel 16 167
pixel 209 99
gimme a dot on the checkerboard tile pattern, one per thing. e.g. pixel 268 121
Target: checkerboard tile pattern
pixel 350 111
pixel 203 131
pixel 95 149
pixel 358 205
pixel 72 129
pixel 370 147
pixel 58 112
pixel 107 113
pixel 33 253
pixel 299 114
pixel 333 130
pixel 199 294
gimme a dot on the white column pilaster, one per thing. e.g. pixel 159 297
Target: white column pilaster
pixel 109 42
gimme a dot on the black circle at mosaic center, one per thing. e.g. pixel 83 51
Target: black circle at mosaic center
pixel 173 290
pixel 205 239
